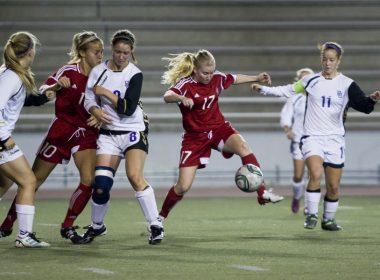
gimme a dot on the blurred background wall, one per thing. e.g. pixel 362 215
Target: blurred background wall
pixel 245 36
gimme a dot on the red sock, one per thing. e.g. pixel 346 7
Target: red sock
pixel 250 159
pixel 10 218
pixel 170 201
pixel 78 202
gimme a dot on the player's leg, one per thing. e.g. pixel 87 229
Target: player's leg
pixel 333 175
pixel 235 144
pixel 19 171
pixel 85 163
pixel 298 183
pixel 5 184
pixel 176 193
pixel 106 165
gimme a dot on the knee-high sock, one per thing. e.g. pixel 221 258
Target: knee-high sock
pixel 148 205
pixel 313 199
pixel 98 212
pixel 170 201
pixel 298 188
pixel 329 208
pixel 78 202
pixel 25 216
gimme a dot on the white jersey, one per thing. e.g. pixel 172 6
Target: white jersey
pixel 326 104
pixel 12 100
pixel 292 115
pixel 117 82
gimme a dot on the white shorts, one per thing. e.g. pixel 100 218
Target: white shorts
pixel 330 148
pixel 119 144
pixel 296 151
pixel 10 155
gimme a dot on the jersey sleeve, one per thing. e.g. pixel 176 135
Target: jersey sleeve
pixel 35 100
pixel 91 99
pixel 287 114
pixel 128 104
pixel 281 91
pixel 358 100
pixel 227 80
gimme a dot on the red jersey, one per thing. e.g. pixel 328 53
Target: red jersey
pixel 69 103
pixel 205 115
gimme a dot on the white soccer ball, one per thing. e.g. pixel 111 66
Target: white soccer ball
pixel 248 178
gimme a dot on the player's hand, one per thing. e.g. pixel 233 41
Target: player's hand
pixel 290 134
pixel 64 82
pixel 187 102
pixel 9 144
pixel 256 87
pixel 375 96
pixel 264 78
pixel 94 122
pixel 104 117
pixel 50 94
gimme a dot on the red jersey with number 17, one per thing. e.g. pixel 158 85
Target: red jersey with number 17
pixel 205 115
pixel 69 103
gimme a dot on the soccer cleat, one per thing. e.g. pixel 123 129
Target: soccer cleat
pixel 156 235
pixel 30 241
pixel 5 232
pixel 70 233
pixel 268 196
pixel 295 205
pixel 330 225
pixel 311 221
pixel 91 233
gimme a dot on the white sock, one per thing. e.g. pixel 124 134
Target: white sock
pixel 148 205
pixel 25 216
pixel 98 213
pixel 312 199
pixel 330 209
pixel 298 188
pixel 305 200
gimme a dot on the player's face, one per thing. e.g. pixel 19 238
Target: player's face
pixel 203 74
pixel 94 54
pixel 121 53
pixel 330 62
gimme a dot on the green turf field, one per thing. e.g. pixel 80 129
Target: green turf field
pixel 205 239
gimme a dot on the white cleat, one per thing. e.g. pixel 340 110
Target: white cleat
pixel 30 241
pixel 269 196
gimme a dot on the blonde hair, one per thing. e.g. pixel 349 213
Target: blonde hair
pixel 126 36
pixel 300 73
pixel 333 46
pixel 80 43
pixel 182 65
pixel 16 48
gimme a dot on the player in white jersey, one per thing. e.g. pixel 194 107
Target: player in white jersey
pixel 16 79
pixel 291 121
pixel 113 97
pixel 329 95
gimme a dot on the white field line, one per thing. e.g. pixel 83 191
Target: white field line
pixel 350 208
pixel 48 225
pixel 15 273
pixel 248 267
pixel 98 270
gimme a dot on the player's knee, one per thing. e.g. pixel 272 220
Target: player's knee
pixel 103 184
pixel 135 178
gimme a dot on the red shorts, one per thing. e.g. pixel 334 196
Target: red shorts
pixel 63 140
pixel 196 146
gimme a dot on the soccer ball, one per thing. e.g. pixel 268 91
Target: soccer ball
pixel 248 178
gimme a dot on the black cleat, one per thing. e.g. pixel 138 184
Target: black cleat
pixel 70 233
pixel 156 235
pixel 91 233
pixel 5 232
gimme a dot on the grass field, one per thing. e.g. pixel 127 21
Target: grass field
pixel 231 238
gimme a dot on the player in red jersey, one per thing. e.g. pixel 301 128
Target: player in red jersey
pixel 71 132
pixel 196 86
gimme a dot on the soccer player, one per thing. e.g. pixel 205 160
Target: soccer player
pixel 291 121
pixel 114 88
pixel 16 79
pixel 329 95
pixel 195 86
pixel 71 131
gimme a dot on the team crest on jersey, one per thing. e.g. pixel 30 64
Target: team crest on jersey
pixel 339 93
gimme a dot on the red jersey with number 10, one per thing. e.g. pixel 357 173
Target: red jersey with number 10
pixel 205 115
pixel 69 103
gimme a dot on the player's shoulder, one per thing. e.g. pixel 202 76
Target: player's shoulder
pixel 68 70
pixel 10 76
pixel 184 82
pixel 343 78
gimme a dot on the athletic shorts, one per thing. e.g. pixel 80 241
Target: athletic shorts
pixel 63 140
pixel 196 147
pixel 330 148
pixel 295 150
pixel 10 155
